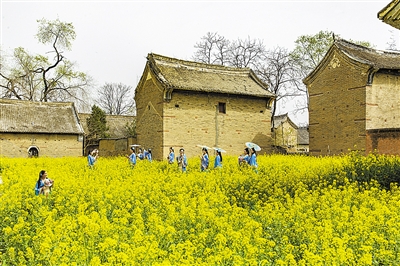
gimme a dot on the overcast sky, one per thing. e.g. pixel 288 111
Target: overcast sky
pixel 114 37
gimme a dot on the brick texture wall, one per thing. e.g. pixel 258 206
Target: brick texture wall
pixel 193 118
pixel 384 141
pixel 337 113
pixel 149 115
pixel 49 145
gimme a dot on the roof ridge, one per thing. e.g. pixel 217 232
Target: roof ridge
pixel 195 64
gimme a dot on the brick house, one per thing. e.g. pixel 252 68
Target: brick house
pixel 183 104
pixel 50 129
pixel 118 142
pixel 285 133
pixel 354 101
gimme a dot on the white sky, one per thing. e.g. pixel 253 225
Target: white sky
pixel 114 37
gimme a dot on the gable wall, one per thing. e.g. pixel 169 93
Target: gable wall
pixel 286 136
pixel 50 145
pixel 337 108
pixel 193 118
pixel 149 109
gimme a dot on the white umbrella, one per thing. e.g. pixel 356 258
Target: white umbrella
pixel 203 146
pixel 219 149
pixel 253 145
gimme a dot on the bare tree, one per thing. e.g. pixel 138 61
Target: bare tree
pixel 212 49
pixel 246 53
pixel 392 43
pixel 116 99
pixel 277 69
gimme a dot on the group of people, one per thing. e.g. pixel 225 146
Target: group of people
pixel 204 159
pixel 142 155
pixel 249 157
pixel 44 184
pixel 181 159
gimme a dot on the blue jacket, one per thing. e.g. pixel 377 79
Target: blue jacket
pixel 171 157
pixel 204 161
pixel 91 160
pixel 217 161
pixel 253 160
pixel 38 186
pixel 132 158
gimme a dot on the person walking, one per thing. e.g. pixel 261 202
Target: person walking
pixel 253 159
pixel 171 156
pixel 244 159
pixel 182 160
pixel 148 155
pixel 204 160
pixel 218 159
pixel 132 157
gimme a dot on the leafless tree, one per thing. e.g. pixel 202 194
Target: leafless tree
pixel 246 53
pixel 116 99
pixel 278 69
pixel 212 49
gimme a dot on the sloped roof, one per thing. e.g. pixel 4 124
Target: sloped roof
pixel 303 136
pixel 115 123
pixel 178 74
pixel 376 59
pixel 280 119
pixel 390 14
pixel 18 116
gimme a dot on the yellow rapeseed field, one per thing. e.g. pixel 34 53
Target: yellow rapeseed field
pixel 295 210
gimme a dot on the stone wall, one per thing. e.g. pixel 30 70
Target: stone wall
pixel 337 113
pixel 49 145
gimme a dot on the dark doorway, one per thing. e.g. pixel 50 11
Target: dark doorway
pixel 33 152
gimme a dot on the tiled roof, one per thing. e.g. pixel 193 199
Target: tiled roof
pixel 390 14
pixel 372 57
pixel 115 123
pixel 193 76
pixel 279 119
pixel 303 136
pixel 18 116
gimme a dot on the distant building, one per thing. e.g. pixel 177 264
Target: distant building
pixel 354 101
pixel 285 133
pixel 182 104
pixel 303 140
pixel 45 129
pixel 119 140
pixel 288 137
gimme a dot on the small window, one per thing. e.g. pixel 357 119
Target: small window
pixel 222 108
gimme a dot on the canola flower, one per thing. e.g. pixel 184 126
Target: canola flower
pixel 295 210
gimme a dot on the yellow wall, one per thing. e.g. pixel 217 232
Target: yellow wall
pixel 337 113
pixel 49 145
